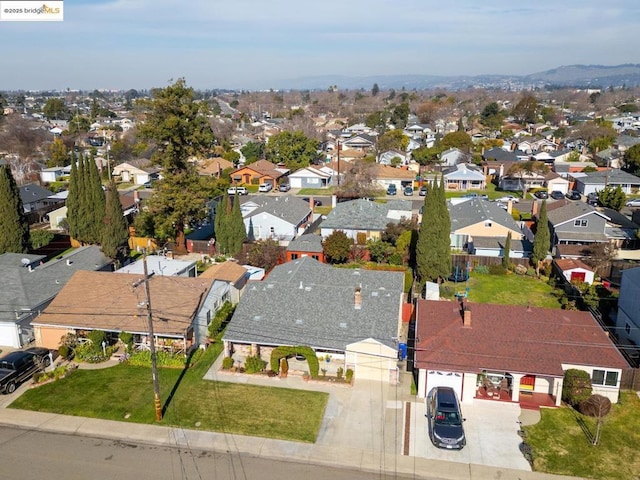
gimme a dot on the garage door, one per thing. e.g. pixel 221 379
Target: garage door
pixel 436 378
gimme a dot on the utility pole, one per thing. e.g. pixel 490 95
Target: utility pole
pixel 152 342
pixel 338 145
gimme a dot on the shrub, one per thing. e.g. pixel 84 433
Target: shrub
pixel 395 259
pixel 254 365
pixel 284 352
pixel 481 269
pixel 163 359
pixel 349 375
pixel 497 269
pixel 222 316
pixel 577 386
pixel 97 337
pixel 531 272
pixel 227 363
pixel 65 352
pixel 37 377
pixel 340 373
pixel 127 339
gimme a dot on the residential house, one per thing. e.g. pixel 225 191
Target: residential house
pixel 310 177
pixel 495 247
pixel 117 303
pixel 236 276
pixel 363 220
pixel 463 177
pixel 521 180
pixel 574 270
pixel 213 167
pixel 262 171
pixel 353 317
pixel 553 181
pixel 53 174
pixel 360 142
pixel 502 155
pixel 138 171
pixel 481 218
pixel 393 158
pixel 34 197
pixel 280 218
pixel 510 352
pixel 595 181
pixel 307 245
pixel 162 265
pixel 29 285
pixel 385 175
pixel 575 223
pixel 628 317
pixel 452 156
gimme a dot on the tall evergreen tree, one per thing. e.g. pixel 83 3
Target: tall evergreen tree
pixel 115 234
pixel 433 250
pixel 14 228
pixel 74 199
pixel 237 230
pixel 542 238
pixel 221 225
pixel 96 202
pixel 507 251
pixel 179 127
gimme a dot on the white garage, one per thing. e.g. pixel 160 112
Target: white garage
pixel 438 378
pixel 371 360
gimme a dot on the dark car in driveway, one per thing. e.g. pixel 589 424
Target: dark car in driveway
pixel 573 195
pixel 541 194
pixel 316 203
pixel 557 195
pixel 445 419
pixel 20 365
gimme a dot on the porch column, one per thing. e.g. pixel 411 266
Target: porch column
pixel 255 350
pixel 515 387
pixel 557 390
pixel 227 348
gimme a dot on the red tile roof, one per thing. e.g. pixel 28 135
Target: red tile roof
pixel 570 264
pixel 509 338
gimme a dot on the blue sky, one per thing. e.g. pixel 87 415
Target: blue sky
pixel 253 43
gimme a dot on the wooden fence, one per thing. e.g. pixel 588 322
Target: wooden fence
pixel 463 260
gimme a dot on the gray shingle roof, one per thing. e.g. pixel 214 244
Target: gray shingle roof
pixel 288 207
pixel 477 210
pixel 498 243
pixel 24 289
pixel 571 211
pixel 308 242
pixel 33 193
pixel 305 302
pixel 612 177
pixel 365 215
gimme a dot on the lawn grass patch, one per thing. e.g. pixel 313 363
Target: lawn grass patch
pixel 560 446
pixel 125 393
pixel 510 289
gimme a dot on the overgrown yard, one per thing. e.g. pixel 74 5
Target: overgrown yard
pixel 561 446
pixel 125 393
pixel 510 289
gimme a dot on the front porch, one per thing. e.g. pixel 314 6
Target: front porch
pixel 528 400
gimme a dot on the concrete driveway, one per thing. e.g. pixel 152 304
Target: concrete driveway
pixel 491 430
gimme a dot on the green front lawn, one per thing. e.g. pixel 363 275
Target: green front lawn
pixel 560 446
pixel 510 289
pixel 125 393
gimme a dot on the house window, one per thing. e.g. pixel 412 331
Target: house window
pixel 488 224
pixel 294 256
pixel 315 257
pixel 603 377
pixel 208 317
pixel 627 328
pixel 580 223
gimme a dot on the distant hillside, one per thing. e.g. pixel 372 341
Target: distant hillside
pixel 571 75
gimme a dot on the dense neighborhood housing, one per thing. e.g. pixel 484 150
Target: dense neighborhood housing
pixel 483 241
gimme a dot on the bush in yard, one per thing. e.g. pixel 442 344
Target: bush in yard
pixel 222 316
pixel 254 365
pixel 340 373
pixel 97 337
pixel 87 352
pixel 481 269
pixel 127 339
pixel 349 375
pixel 577 386
pixel 284 352
pixel 65 352
pixel 227 363
pixel 163 359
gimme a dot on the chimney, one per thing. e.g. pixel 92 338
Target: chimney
pixel 357 300
pixel 466 316
pixel 69 262
pixel 535 208
pixel 136 197
pixel 334 201
pixel 510 207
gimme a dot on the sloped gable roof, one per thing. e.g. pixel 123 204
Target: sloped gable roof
pixel 309 242
pixel 478 210
pixel 363 214
pixel 571 211
pixel 114 305
pixel 33 193
pixel 227 272
pixel 287 207
pixel 510 338
pixel 305 302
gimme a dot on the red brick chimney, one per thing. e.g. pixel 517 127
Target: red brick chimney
pixel 466 316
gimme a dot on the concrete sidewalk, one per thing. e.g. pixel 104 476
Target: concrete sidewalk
pixel 349 437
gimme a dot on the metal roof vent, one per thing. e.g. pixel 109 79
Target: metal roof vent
pixel 343 325
pixel 299 321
